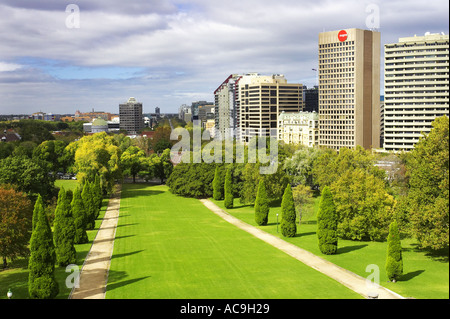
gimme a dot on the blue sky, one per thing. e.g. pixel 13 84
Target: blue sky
pixel 172 52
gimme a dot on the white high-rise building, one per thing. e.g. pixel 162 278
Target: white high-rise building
pixel 416 84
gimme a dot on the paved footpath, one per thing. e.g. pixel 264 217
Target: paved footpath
pixel 343 276
pixel 94 273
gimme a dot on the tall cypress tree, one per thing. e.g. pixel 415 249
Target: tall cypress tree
pixel 288 215
pixel 98 192
pixel 38 206
pixel 89 205
pixel 327 223
pixel 41 264
pixel 80 218
pixel 64 231
pixel 261 204
pixel 217 185
pixel 394 259
pixel 228 190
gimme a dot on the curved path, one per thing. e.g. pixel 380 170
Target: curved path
pixel 343 276
pixel 94 273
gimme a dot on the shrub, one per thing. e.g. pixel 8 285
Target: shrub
pixel 217 185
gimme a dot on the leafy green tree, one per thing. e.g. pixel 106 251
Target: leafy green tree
pixel 192 180
pixel 132 161
pixel 300 165
pixel 303 195
pixel 288 215
pixel 228 202
pixel 327 222
pixel 363 204
pixel 261 204
pixel 428 197
pixel 394 259
pixel 15 225
pixel 27 175
pixel 97 154
pixel 80 217
pixel 217 185
pixel 41 264
pixel 160 165
pixel 89 205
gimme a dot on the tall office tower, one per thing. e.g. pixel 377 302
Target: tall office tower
pixel 260 99
pixel 311 98
pixel 415 88
pixel 349 89
pixel 131 118
pixel 226 113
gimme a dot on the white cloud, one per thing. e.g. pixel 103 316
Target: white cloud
pixel 8 67
pixel 186 47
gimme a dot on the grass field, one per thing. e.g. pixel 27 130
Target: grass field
pixel 173 247
pixel 16 276
pixel 426 274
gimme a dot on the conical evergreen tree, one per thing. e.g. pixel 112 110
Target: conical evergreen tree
pixel 98 192
pixel 89 206
pixel 41 264
pixel 261 204
pixel 38 206
pixel 327 223
pixel 64 231
pixel 394 259
pixel 287 224
pixel 228 190
pixel 80 218
pixel 217 185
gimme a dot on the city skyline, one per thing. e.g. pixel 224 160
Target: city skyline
pixel 169 53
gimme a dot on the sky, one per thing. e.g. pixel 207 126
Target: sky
pixel 61 56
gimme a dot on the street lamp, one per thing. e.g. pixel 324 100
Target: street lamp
pixel 277 223
pixel 9 293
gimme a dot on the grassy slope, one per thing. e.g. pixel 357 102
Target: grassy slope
pixel 426 275
pixel 172 247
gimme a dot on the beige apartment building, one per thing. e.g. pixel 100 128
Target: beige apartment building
pixel 299 128
pixel 349 89
pixel 416 88
pixel 260 99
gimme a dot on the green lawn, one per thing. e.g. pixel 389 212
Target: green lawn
pixel 67 183
pixel 16 276
pixel 171 247
pixel 426 274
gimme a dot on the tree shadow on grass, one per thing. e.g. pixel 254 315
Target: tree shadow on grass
pixel 116 279
pixel 441 255
pixel 305 234
pixel 346 249
pixel 126 254
pixel 410 275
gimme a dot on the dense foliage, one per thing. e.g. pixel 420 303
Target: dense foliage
pixel 15 226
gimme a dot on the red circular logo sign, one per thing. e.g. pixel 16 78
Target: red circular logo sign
pixel 342 35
